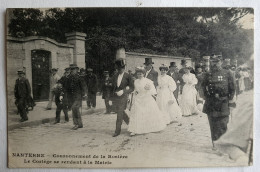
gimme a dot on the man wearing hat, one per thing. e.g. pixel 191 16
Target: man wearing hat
pixel 54 78
pixel 22 91
pixel 122 85
pixel 219 89
pixel 76 92
pixel 150 72
pixel 91 82
pixel 106 90
pixel 173 72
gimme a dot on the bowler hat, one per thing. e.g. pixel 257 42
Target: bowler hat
pixel 82 69
pixel 20 71
pixel 183 62
pixel 163 66
pixel 120 63
pixel 74 66
pixel 172 64
pixel 148 61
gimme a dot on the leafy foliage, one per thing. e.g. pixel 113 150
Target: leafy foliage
pixel 192 32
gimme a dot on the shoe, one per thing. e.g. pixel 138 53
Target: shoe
pixel 88 108
pixel 80 126
pixel 116 134
pixel 22 120
pixel 48 108
pixel 75 127
pixel 66 121
pixel 56 122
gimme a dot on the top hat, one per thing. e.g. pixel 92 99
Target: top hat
pixel 74 66
pixel 89 69
pixel 120 63
pixel 183 62
pixel 172 64
pixel 163 66
pixel 148 61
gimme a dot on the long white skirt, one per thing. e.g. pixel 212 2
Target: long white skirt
pixel 145 116
pixel 171 112
pixel 188 102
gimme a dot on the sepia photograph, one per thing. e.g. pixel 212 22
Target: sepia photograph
pixel 130 87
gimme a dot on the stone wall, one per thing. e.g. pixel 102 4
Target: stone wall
pixel 19 56
pixel 137 59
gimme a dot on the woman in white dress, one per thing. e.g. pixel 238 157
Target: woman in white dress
pixel 165 99
pixel 188 102
pixel 145 116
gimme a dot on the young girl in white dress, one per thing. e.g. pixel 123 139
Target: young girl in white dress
pixel 165 99
pixel 145 116
pixel 188 102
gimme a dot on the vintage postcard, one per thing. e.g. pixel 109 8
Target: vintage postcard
pixel 130 87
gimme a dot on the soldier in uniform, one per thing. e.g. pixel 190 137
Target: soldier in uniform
pixel 91 82
pixel 22 91
pixel 122 85
pixel 219 89
pixel 76 92
pixel 150 72
pixel 173 72
pixel 106 90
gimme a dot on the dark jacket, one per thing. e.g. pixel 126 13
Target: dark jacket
pixel 22 88
pixel 218 87
pixel 153 75
pixel 106 88
pixel 91 82
pixel 175 76
pixel 76 89
pixel 126 81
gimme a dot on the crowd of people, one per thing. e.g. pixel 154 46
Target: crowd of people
pixel 146 100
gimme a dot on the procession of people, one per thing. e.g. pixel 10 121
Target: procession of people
pixel 147 101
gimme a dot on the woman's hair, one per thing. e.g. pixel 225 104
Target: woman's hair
pixel 140 69
pixel 163 66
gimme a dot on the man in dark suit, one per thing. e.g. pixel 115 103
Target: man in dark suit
pixel 150 72
pixel 22 91
pixel 122 85
pixel 106 90
pixel 76 91
pixel 91 82
pixel 173 72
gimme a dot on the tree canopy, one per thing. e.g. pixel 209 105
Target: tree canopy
pixel 188 32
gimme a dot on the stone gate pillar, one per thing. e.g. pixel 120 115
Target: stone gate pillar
pixel 78 40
